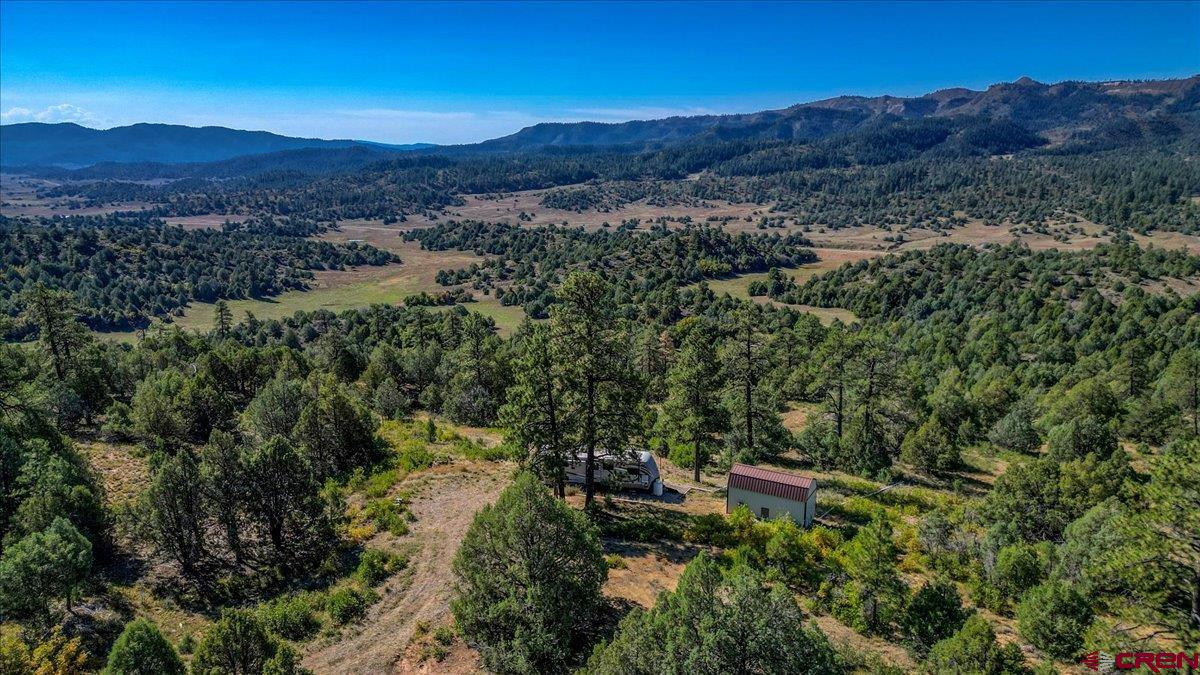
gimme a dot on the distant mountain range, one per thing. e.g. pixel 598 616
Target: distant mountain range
pixel 1114 112
pixel 1058 111
pixel 71 145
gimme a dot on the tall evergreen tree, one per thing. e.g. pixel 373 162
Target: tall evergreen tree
pixel 745 366
pixel 527 581
pixel 174 508
pixel 285 500
pixel 833 372
pixel 1182 385
pixel 222 320
pixel 61 335
pixel 604 389
pixel 535 414
pixel 693 410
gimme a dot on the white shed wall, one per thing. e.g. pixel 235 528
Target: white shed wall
pixel 801 512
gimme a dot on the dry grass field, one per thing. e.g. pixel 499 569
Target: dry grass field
pixel 508 207
pixel 18 197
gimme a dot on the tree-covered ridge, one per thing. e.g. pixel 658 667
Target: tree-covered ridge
pixel 125 270
pixel 525 263
pixel 959 282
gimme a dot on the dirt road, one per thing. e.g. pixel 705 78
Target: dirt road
pixel 446 498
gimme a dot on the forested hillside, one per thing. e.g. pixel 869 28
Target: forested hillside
pixel 126 270
pixel 71 145
pixel 526 265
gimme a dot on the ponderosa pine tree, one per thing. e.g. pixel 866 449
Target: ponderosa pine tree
pixel 476 388
pixel 534 415
pixel 60 334
pixel 1182 387
pixel 875 595
pixel 832 385
pixel 693 411
pixel 1159 561
pixel 604 391
pixel 878 420
pixel 222 320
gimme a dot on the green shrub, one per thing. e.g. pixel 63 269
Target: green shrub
pixel 934 613
pixel 348 604
pixel 374 566
pixel 683 455
pixel 444 635
pixel 1018 569
pixel 1054 618
pixel 468 449
pixel 388 515
pixel 1015 431
pixel 237 643
pixel 379 483
pixel 615 562
pixel 973 649
pixel 290 616
pixel 709 528
pixel 187 644
pixel 141 649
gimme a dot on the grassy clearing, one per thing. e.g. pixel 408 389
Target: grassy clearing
pixel 123 469
pixel 830 259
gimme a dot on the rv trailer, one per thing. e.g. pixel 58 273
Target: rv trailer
pixel 634 471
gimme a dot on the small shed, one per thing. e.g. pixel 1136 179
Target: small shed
pixel 770 494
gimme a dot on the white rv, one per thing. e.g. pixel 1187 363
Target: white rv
pixel 634 471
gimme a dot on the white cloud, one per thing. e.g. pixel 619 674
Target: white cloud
pixel 63 112
pixel 641 113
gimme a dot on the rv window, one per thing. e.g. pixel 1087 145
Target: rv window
pixel 764 512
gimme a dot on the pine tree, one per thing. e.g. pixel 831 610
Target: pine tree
pixel 1182 385
pixel 604 391
pixel 174 505
pixel 833 375
pixel 693 410
pixel 222 320
pixel 534 413
pixel 61 335
pixel 527 580
pixel 746 365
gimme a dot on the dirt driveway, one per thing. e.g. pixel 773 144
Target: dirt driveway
pixel 445 500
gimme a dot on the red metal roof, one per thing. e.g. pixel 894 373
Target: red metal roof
pixel 768 482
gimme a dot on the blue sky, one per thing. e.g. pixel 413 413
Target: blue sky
pixel 461 72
